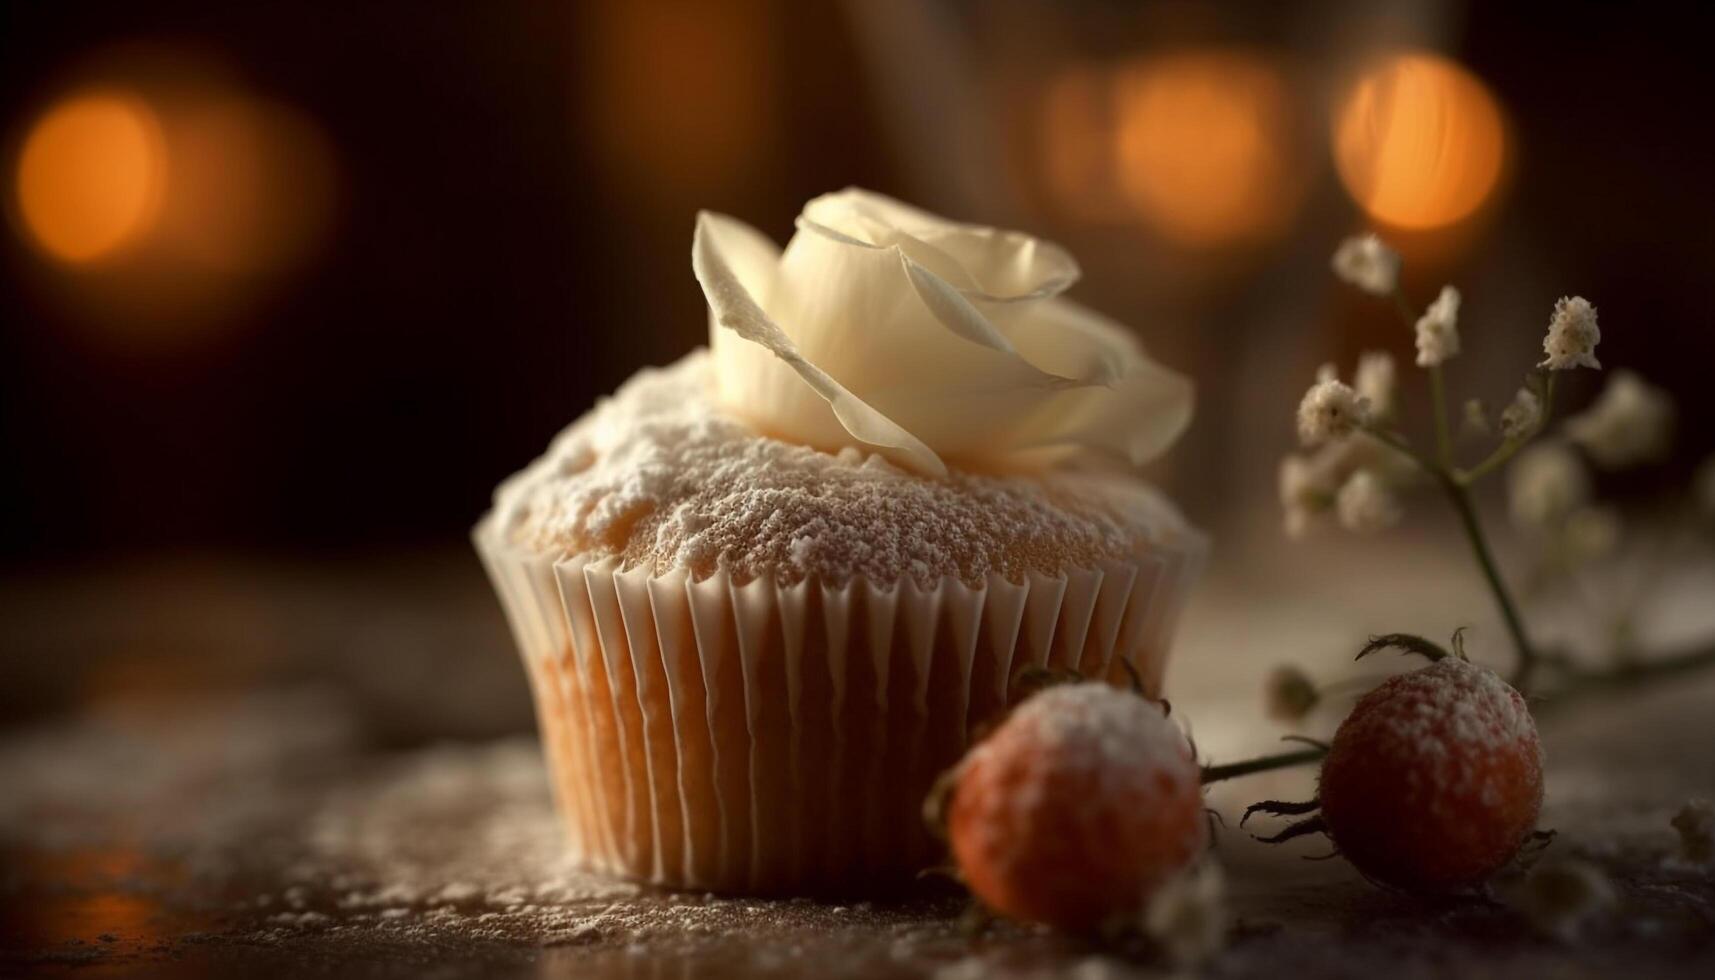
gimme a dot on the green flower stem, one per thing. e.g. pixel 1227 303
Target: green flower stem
pixel 1267 763
pixel 1443 435
pixel 1460 495
pixel 1510 448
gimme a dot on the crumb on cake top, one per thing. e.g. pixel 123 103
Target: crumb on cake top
pixel 658 476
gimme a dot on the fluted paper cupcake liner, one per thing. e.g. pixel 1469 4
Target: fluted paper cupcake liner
pixel 771 738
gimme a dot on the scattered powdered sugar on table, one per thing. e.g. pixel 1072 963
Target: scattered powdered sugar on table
pixel 660 477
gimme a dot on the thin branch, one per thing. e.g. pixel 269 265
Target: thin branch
pixel 1582 684
pixel 1508 449
pixel 1443 434
pixel 1467 511
pixel 1267 763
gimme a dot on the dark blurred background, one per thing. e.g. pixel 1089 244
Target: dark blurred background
pixel 289 287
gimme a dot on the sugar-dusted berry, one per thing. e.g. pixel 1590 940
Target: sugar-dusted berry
pixel 1077 808
pixel 1434 781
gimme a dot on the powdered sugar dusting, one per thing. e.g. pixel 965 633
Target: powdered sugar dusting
pixel 1105 729
pixel 658 477
pixel 1453 711
pixel 1124 740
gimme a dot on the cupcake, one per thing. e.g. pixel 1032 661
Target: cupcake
pixel 766 594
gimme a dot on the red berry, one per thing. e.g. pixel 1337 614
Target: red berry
pixel 1076 808
pixel 1434 781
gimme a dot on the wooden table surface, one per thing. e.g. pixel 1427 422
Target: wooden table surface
pixel 220 768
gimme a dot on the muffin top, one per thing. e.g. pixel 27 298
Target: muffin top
pixel 659 476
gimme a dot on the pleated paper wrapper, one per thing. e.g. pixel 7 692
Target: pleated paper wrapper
pixel 780 739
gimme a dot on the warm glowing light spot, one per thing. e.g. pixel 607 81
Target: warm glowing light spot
pixel 1078 147
pixel 1204 146
pixel 1419 142
pixel 681 95
pixel 90 175
pixel 251 186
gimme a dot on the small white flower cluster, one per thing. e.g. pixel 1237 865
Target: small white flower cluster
pixel 1187 917
pixel 1520 419
pixel 1366 504
pixel 1631 422
pixel 1348 470
pixel 1546 484
pixel 1561 898
pixel 1331 409
pixel 1366 262
pixel 1376 381
pixel 1438 329
pixel 1353 472
pixel 1572 336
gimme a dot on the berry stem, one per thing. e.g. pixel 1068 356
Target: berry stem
pixel 1267 763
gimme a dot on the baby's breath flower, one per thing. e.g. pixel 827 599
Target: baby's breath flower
pixel 1376 380
pixel 1545 484
pixel 1438 329
pixel 1572 336
pixel 1592 533
pixel 1476 416
pixel 1366 262
pixel 1304 493
pixel 1695 822
pixel 1290 694
pixel 1187 917
pixel 1330 410
pixel 1561 897
pixel 1365 504
pixel 1521 417
pixel 1631 422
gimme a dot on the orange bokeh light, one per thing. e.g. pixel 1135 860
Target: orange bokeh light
pixel 1204 146
pixel 91 175
pixel 1419 142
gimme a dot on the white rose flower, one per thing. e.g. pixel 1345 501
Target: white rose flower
pixel 1630 422
pixel 884 327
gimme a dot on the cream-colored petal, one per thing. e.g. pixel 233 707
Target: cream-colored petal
pixel 989 265
pixel 862 306
pixel 1073 341
pixel 784 401
pixel 1136 420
